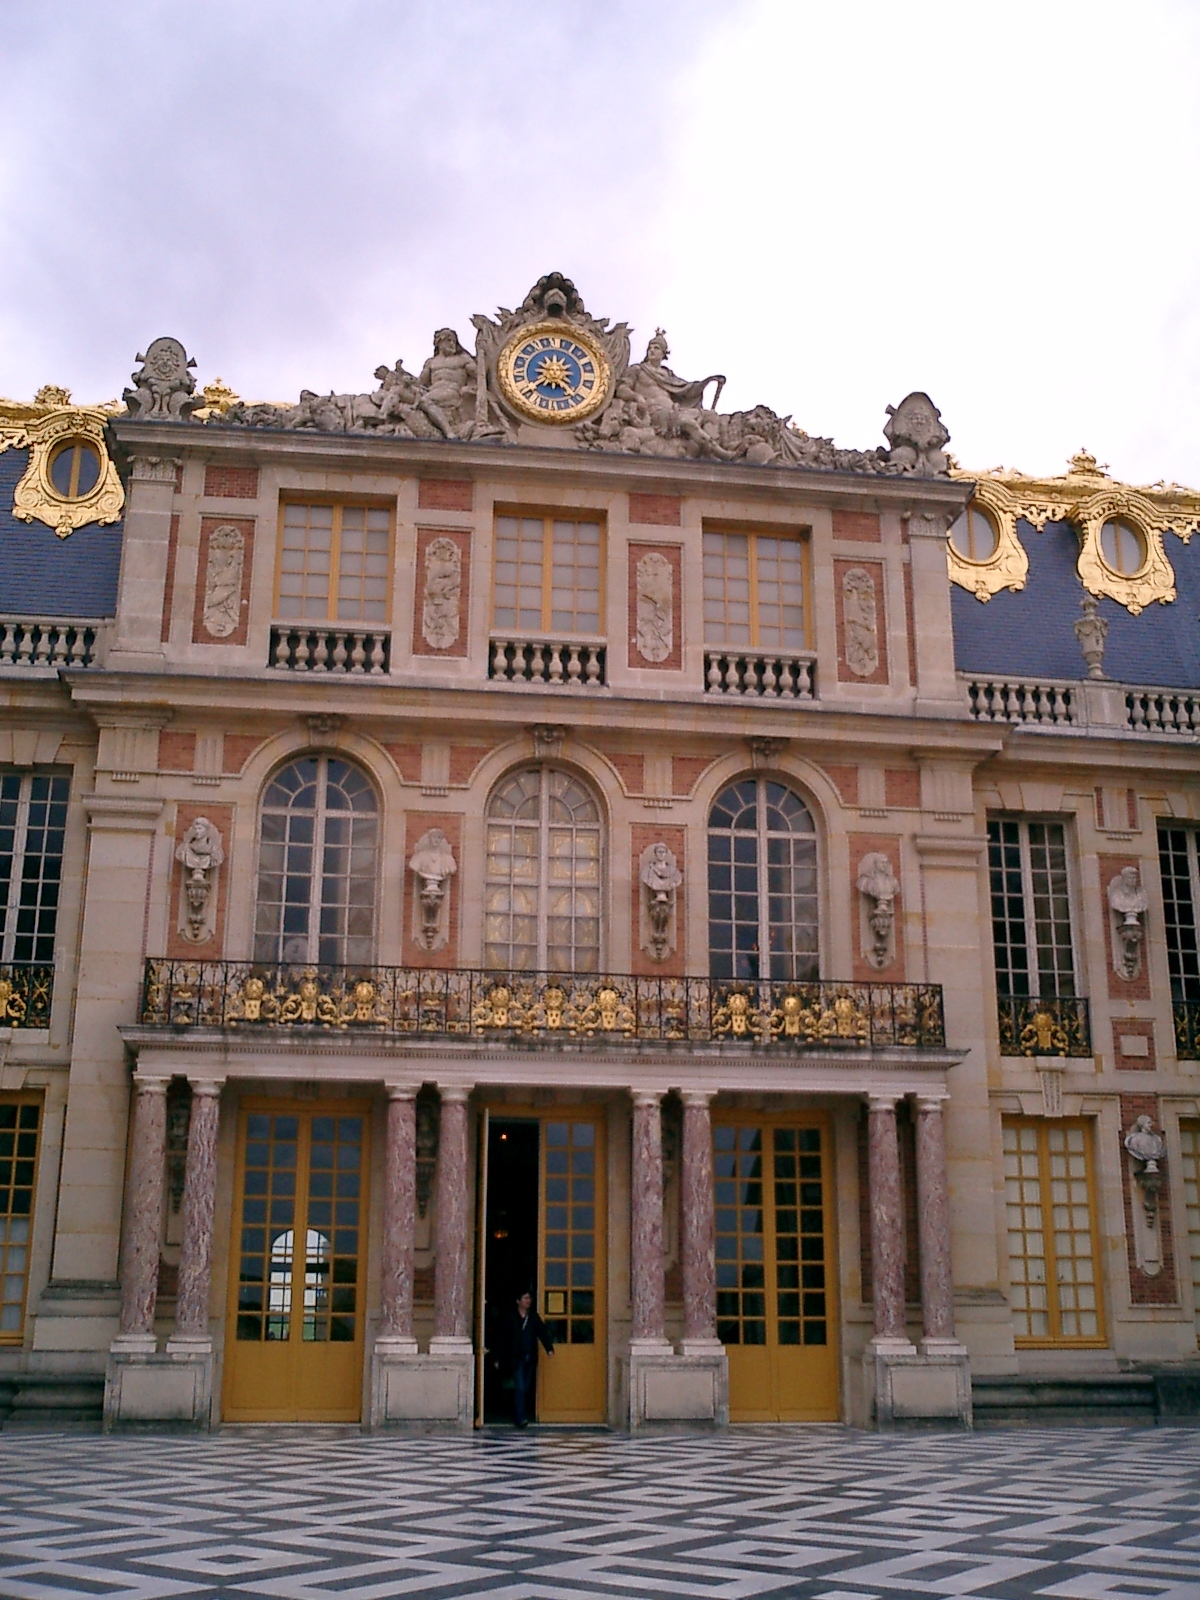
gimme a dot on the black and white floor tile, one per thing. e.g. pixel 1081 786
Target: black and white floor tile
pixel 820 1513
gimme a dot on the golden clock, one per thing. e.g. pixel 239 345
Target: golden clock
pixel 554 372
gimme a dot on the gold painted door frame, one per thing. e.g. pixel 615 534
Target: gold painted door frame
pixel 294 1330
pixel 777 1265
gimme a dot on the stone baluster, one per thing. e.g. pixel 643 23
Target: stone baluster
pixel 143 1217
pixel 887 1224
pixel 646 1263
pixel 451 1305
pixel 933 1208
pixel 399 1224
pixel 199 1193
pixel 699 1229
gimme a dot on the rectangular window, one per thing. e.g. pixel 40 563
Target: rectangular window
pixel 1181 892
pixel 547 575
pixel 1031 909
pixel 334 563
pixel 20 1124
pixel 33 819
pixel 754 590
pixel 1053 1248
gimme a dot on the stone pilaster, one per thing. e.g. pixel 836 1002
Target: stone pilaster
pixel 451 1303
pixel 933 1210
pixel 887 1226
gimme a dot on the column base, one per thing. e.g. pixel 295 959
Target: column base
pixel 146 1391
pixel 911 1388
pixel 134 1344
pixel 690 1388
pixel 410 1390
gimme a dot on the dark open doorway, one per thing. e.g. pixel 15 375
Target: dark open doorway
pixel 512 1241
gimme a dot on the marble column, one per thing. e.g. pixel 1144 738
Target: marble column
pixel 143 1217
pixel 399 1223
pixel 647 1286
pixel 887 1221
pixel 199 1191
pixel 933 1208
pixel 699 1229
pixel 451 1284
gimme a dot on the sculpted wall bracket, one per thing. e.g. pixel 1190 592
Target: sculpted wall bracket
pixel 1128 904
pixel 1147 1150
pixel 433 864
pixel 879 887
pixel 200 854
pixel 660 877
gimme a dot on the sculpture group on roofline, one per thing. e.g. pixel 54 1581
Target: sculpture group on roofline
pixel 648 409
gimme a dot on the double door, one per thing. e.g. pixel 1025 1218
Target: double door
pixel 294 1341
pixel 775 1281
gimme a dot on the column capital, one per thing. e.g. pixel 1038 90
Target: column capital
pixel 207 1086
pixel 116 814
pixel 454 1094
pixel 403 1091
pixel 150 1085
pixel 646 1099
pixel 883 1102
pixel 932 1102
pixel 698 1099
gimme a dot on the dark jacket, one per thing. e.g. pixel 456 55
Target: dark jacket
pixel 517 1340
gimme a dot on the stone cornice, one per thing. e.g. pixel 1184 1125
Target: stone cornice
pixel 574 468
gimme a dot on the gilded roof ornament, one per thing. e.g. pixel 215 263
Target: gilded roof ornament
pixel 70 480
pixel 1087 497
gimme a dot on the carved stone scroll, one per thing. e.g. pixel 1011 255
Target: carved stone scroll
pixel 200 854
pixel 442 597
pixel 655 622
pixel 223 581
pixel 861 622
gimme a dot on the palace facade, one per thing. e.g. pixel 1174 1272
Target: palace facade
pixel 523 827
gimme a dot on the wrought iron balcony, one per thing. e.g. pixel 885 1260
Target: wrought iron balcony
pixel 1187 1029
pixel 1050 1027
pixel 26 991
pixel 526 1006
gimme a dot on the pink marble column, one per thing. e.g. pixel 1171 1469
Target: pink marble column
pixel 451 1284
pixel 143 1214
pixel 699 1229
pixel 399 1219
pixel 647 1287
pixel 933 1207
pixel 887 1223
pixel 199 1191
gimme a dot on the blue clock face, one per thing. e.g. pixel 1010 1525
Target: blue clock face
pixel 550 375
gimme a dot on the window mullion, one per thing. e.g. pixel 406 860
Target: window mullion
pixel 17 885
pixel 1031 934
pixel 1049 1255
pixel 335 564
pixel 543 886
pixel 760 878
pixel 752 574
pixel 547 574
pixel 317 866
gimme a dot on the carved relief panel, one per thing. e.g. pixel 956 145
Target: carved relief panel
pixel 222 609
pixel 440 606
pixel 654 607
pixel 861 622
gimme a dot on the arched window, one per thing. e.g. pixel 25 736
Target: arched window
pixel 542 898
pixel 762 884
pixel 317 864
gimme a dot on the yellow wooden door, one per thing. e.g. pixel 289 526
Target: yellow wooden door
pixel 776 1312
pixel 294 1339
pixel 572 1261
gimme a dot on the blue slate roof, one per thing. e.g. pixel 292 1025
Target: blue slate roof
pixel 1029 634
pixel 42 575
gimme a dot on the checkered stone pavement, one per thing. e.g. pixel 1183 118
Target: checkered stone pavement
pixel 821 1513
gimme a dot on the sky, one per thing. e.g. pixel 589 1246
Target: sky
pixel 831 203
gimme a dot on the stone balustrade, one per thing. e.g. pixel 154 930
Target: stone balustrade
pixel 423 1002
pixel 1163 710
pixel 1001 700
pixel 762 676
pixel 27 642
pixel 554 663
pixel 359 652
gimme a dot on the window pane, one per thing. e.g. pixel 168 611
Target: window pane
pixel 19 1133
pixel 780 594
pixel 363 564
pixel 727 588
pixel 517 583
pixel 575 578
pixel 1177 858
pixel 304 558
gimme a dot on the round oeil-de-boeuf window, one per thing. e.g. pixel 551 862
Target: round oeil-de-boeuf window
pixel 75 468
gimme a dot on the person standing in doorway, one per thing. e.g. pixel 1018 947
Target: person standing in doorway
pixel 520 1333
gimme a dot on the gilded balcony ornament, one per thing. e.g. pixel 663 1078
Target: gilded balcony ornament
pixel 70 480
pixel 607 1012
pixel 738 1018
pixel 12 1006
pixel 1088 498
pixel 306 1003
